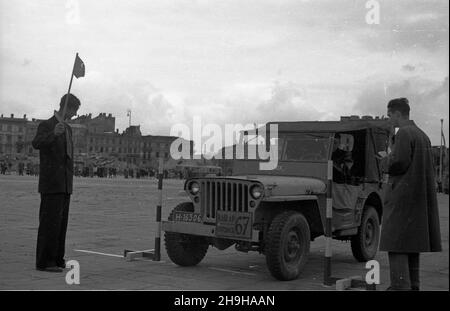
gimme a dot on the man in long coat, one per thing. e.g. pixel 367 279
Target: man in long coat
pixel 54 141
pixel 410 223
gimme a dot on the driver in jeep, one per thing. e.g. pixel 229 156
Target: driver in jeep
pixel 342 161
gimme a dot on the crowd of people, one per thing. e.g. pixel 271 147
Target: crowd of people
pixel 113 172
pixel 20 168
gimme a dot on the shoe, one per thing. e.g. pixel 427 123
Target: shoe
pixel 50 269
pixel 62 265
pixel 391 288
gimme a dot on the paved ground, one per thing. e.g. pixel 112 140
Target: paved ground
pixel 110 215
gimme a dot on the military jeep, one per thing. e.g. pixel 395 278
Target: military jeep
pixel 278 212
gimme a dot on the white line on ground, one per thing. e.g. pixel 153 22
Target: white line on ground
pixel 231 271
pixel 98 253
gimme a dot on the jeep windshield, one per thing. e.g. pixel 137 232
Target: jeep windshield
pixel 304 146
pixel 294 147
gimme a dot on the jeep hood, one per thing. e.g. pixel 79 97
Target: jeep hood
pixel 287 185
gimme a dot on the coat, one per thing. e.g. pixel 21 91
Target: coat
pixel 410 221
pixel 56 167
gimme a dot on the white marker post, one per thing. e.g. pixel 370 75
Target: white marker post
pixel 158 211
pixel 154 254
pixel 328 230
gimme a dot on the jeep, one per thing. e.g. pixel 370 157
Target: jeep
pixel 278 212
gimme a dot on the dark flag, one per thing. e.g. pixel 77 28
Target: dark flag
pixel 78 67
pixel 77 71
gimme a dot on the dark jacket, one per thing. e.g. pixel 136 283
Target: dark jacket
pixel 56 167
pixel 410 216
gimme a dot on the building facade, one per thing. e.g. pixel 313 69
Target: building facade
pixel 12 136
pixel 95 139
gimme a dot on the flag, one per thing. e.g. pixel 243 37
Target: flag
pixel 78 67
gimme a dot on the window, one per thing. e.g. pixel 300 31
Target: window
pixel 306 147
pixel 157 154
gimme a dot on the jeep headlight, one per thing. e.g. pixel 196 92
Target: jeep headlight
pixel 194 188
pixel 256 191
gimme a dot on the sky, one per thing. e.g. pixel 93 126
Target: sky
pixel 227 62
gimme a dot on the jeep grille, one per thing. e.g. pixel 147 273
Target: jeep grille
pixel 223 195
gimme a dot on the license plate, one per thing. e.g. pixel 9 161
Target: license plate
pixel 234 225
pixel 187 217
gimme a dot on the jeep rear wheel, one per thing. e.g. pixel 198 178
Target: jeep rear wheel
pixel 185 249
pixel 365 243
pixel 287 245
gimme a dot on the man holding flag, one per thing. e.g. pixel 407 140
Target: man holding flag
pixel 54 141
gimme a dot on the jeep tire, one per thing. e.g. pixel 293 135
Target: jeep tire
pixel 185 249
pixel 287 245
pixel 365 243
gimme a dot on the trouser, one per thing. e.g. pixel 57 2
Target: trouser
pixel 404 271
pixel 53 219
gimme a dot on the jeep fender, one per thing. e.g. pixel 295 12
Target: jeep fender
pixel 308 205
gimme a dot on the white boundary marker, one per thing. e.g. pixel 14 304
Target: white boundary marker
pixel 98 253
pixel 231 271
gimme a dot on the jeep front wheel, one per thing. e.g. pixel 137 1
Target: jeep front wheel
pixel 287 246
pixel 365 243
pixel 185 249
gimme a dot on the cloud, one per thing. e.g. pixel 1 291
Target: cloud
pixel 407 26
pixel 408 67
pixel 168 61
pixel 151 107
pixel 288 102
pixel 428 100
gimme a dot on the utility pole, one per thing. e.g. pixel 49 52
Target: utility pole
pixel 440 157
pixel 204 153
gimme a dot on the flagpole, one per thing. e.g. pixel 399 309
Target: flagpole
pixel 440 158
pixel 70 86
